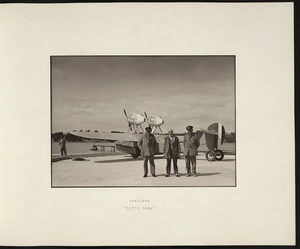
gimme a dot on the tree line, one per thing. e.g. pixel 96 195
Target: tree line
pixel 69 137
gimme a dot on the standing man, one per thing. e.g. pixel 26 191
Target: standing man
pixel 62 144
pixel 147 146
pixel 191 144
pixel 172 151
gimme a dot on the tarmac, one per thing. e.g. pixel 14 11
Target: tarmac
pixel 110 170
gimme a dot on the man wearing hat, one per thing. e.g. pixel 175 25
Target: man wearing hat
pixel 147 146
pixel 191 144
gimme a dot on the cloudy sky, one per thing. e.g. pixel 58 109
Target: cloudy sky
pixel 91 92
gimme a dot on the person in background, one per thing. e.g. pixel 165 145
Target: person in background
pixel 172 151
pixel 191 144
pixel 147 146
pixel 62 144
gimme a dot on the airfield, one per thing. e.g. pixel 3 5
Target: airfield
pixel 121 170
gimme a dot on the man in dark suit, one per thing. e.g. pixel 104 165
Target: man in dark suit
pixel 172 151
pixel 191 144
pixel 147 146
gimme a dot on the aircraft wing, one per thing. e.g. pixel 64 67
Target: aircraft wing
pixel 108 136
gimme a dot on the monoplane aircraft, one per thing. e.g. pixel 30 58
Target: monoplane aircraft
pixel 127 142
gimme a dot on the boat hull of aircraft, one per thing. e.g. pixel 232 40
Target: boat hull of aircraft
pixel 127 142
pixel 129 148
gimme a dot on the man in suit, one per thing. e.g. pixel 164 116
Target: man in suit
pixel 172 151
pixel 191 144
pixel 147 146
pixel 62 144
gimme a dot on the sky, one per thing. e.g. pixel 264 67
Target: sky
pixel 90 92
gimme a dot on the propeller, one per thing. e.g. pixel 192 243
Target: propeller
pixel 125 113
pixel 129 124
pixel 146 115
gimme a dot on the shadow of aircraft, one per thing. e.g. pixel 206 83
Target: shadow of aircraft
pixel 227 160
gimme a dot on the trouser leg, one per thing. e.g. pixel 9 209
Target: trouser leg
pixel 193 160
pixel 168 169
pixel 152 165
pixel 187 165
pixel 175 166
pixel 62 151
pixel 65 151
pixel 145 165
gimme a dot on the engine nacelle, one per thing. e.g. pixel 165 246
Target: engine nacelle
pixel 155 121
pixel 136 119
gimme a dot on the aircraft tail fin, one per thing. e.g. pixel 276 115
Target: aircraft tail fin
pixel 214 136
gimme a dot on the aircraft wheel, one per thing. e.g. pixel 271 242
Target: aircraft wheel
pixel 219 155
pixel 210 155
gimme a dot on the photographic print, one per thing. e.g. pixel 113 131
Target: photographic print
pixel 135 113
pixel 143 121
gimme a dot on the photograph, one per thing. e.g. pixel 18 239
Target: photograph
pixel 143 121
pixel 157 115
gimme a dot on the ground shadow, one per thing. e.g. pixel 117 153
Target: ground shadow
pixel 184 174
pixel 126 159
pixel 129 159
pixel 204 159
pixel 227 160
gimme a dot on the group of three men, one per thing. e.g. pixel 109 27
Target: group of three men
pixel 171 151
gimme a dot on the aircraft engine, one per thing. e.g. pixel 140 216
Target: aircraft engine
pixel 155 121
pixel 136 119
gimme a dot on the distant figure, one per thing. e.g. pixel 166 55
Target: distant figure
pixel 94 147
pixel 172 151
pixel 191 144
pixel 62 144
pixel 147 146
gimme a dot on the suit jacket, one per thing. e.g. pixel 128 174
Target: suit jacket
pixel 172 147
pixel 191 144
pixel 147 144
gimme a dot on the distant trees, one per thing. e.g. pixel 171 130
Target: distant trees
pixel 57 136
pixel 69 137
pixel 230 138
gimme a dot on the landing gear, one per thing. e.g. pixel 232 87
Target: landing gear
pixel 210 155
pixel 213 155
pixel 219 155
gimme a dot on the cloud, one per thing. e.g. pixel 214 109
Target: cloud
pixel 92 92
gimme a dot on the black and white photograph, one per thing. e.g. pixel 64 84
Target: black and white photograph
pixel 143 121
pixel 148 124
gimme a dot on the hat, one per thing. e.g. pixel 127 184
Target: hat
pixel 189 127
pixel 148 128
